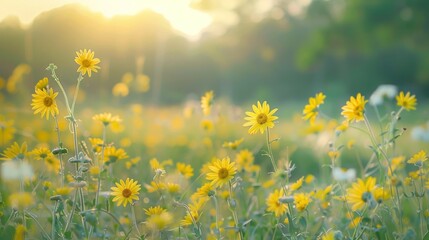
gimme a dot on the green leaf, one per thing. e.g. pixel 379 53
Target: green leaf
pixel 409 235
pixel 90 218
pixel 375 150
pixel 246 222
pixel 426 236
pixel 57 226
pixel 302 223
pixel 60 207
pixel 68 235
pixel 291 225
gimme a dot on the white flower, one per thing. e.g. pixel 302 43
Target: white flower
pixel 341 174
pixel 16 170
pixel 420 133
pixel 159 172
pixel 105 194
pixel 383 91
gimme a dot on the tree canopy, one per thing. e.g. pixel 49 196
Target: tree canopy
pixel 340 47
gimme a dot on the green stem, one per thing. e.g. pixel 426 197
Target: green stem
pixel 111 215
pixel 398 206
pixel 420 202
pixel 57 129
pixel 72 211
pixel 72 120
pixel 361 233
pixel 333 148
pixel 188 210
pixel 359 160
pixel 75 143
pixel 380 123
pixel 189 188
pixel 271 156
pixel 234 213
pixel 91 229
pixel 24 223
pixel 135 219
pixel 393 125
pixel 82 203
pixel 345 202
pixel 53 220
pixel 377 113
pixel 54 75
pixel 357 227
pixel 218 233
pixel 46 235
pixel 78 173
pixel 399 209
pixel 275 229
pixel 97 195
pixel 291 224
pixel 79 79
pixel 270 152
pixel 374 143
pixel 21 188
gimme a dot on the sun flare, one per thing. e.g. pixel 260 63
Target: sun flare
pixel 181 16
pixel 186 20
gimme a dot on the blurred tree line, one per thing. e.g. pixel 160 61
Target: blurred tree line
pixel 255 49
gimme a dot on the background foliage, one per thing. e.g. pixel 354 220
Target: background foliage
pixel 285 50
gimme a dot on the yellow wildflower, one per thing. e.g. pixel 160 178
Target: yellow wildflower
pixel 355 108
pixel 44 102
pixel 310 111
pixel 21 200
pixel 185 169
pixel 418 158
pixel 221 171
pixel 407 101
pixel 126 192
pixel 297 185
pixel 261 118
pixel 274 205
pixel 301 201
pixel 86 61
pixel 15 151
pixel 207 102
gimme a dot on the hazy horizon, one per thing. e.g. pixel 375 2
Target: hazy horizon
pixel 187 21
pixel 248 51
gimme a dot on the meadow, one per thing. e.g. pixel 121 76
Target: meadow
pixel 208 169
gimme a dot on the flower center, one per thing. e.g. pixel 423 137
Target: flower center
pixel 48 101
pixel 358 109
pixel 86 63
pixel 262 118
pixel 126 193
pixel 223 173
pixel 113 158
pixel 366 197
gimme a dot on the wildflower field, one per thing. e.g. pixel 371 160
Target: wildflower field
pixel 209 169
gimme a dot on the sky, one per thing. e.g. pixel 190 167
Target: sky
pixel 187 21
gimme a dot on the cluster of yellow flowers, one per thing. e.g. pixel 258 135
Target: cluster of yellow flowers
pixel 363 193
pixel 230 197
pixel 44 99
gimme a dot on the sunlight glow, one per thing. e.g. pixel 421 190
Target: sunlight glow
pixel 186 20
